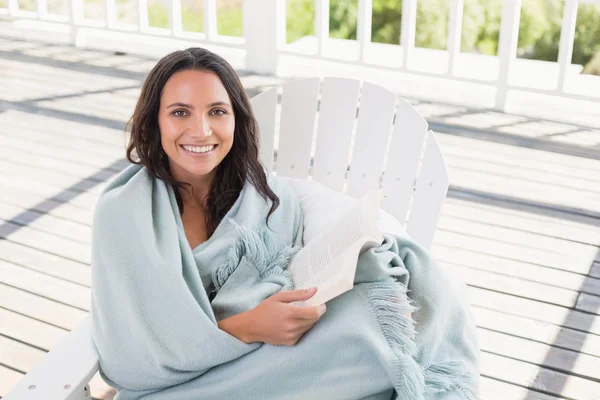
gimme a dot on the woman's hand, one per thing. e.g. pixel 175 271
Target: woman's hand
pixel 275 321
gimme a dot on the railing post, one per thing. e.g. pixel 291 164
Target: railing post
pixel 210 19
pixel 142 17
pixel 408 30
pixel 175 22
pixel 454 33
pixel 42 8
pixel 507 48
pixel 76 14
pixel 264 31
pixel 13 7
pixel 567 37
pixel 110 13
pixel 322 24
pixel 363 31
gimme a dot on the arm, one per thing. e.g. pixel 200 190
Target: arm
pixel 275 321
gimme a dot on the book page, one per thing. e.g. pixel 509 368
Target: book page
pixel 326 257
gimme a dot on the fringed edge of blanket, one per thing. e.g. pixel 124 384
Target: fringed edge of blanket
pixel 262 249
pixel 388 303
pixel 449 375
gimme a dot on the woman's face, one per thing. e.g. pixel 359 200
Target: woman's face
pixel 196 124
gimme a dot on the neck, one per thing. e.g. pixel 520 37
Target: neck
pixel 200 188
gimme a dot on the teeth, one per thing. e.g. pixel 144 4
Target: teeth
pixel 199 149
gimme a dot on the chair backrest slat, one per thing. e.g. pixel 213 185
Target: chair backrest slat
pixel 430 191
pixel 337 113
pixel 375 118
pixel 264 106
pixel 415 180
pixel 410 131
pixel 298 113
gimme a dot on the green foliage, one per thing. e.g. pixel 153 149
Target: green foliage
pixel 387 17
pixel 587 33
pixel 26 5
pixel 158 16
pixel 593 66
pixel 343 19
pixel 432 24
pixel 230 21
pixel 300 19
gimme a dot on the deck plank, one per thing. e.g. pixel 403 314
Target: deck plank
pixel 40 308
pixel 48 286
pixel 517 269
pixel 45 241
pixel 46 223
pixel 540 354
pixel 539 331
pixel 538 311
pixel 542 379
pixel 44 262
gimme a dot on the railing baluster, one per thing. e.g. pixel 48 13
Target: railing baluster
pixel 454 32
pixel 567 37
pixel 13 7
pixel 507 48
pixel 264 31
pixel 322 23
pixel 75 14
pixel 363 32
pixel 110 13
pixel 42 8
pixel 210 19
pixel 175 23
pixel 408 31
pixel 142 15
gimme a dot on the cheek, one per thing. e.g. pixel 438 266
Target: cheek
pixel 168 131
pixel 231 129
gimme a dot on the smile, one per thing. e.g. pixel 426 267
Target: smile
pixel 199 150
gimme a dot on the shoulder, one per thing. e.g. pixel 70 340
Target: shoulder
pixel 279 185
pixel 130 189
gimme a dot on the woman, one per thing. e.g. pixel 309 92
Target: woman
pixel 191 298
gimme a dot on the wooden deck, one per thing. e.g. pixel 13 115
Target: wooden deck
pixel 521 223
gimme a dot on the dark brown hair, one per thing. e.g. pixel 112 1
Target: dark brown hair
pixel 240 164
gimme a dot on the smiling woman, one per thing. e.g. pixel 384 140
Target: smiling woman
pixel 194 129
pixel 191 297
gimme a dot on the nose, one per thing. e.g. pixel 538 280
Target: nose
pixel 202 128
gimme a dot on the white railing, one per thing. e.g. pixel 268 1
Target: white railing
pixel 265 35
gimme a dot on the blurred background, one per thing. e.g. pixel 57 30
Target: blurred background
pixel 511 89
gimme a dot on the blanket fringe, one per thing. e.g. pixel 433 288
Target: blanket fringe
pixel 389 304
pixel 262 249
pixel 449 375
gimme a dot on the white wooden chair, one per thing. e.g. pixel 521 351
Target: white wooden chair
pixel 390 136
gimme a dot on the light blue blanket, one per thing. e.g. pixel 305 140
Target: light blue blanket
pixel 156 330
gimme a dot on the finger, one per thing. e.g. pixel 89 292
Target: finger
pixel 303 327
pixel 307 312
pixel 289 296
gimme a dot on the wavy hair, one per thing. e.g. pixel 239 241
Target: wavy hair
pixel 240 164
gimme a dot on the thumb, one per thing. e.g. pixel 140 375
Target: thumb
pixel 289 296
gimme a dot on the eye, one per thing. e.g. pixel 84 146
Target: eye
pixel 218 112
pixel 179 113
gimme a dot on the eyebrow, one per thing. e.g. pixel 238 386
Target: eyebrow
pixel 216 103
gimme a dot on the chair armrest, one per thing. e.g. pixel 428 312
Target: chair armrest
pixel 64 372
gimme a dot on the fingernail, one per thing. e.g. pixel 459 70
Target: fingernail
pixel 322 308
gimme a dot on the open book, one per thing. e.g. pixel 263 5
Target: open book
pixel 329 261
